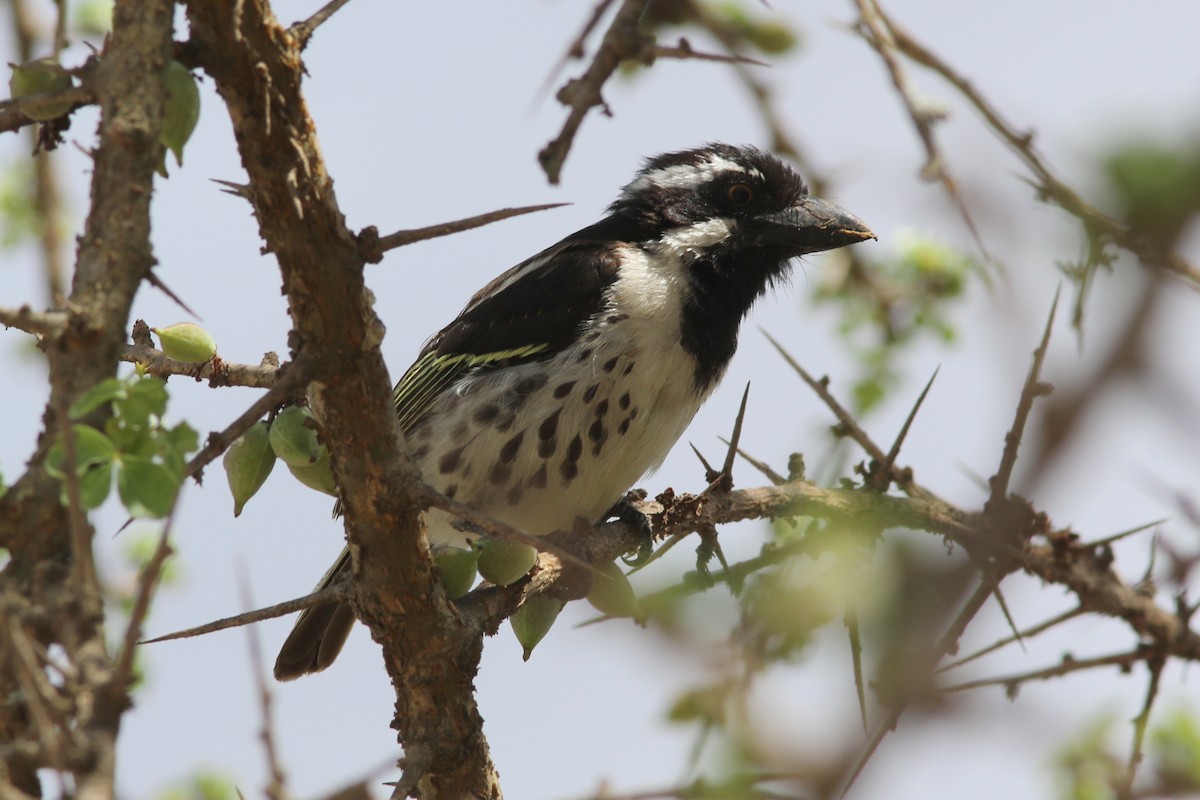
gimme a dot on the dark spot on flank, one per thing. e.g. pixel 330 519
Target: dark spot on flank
pixel 624 401
pixel 633 413
pixel 548 427
pixel 451 490
pixel 538 481
pixel 421 452
pixel 499 473
pixel 568 471
pixel 611 364
pixel 449 462
pixel 460 433
pixel 527 386
pixel 514 495
pixel 591 337
pixel 547 447
pixel 599 435
pixel 614 318
pixel 487 414
pixel 508 453
pixel 506 421
pixel 590 392
pixel 601 409
pixel 574 450
pixel 423 432
pixel 629 368
pixel 563 389
pixel 623 428
pixel 586 353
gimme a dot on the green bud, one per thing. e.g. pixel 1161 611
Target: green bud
pixel 531 622
pixel 187 342
pixel 248 462
pixel 612 594
pixel 180 114
pixel 294 439
pixel 41 76
pixel 504 561
pixel 456 568
pixel 317 476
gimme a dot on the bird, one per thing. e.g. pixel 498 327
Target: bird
pixel 571 375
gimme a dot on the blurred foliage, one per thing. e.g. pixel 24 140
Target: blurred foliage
pixel 19 218
pixel 1155 188
pixel 93 18
pixel 740 27
pixel 204 785
pixel 147 458
pixel 888 306
pixel 1091 768
pixel 1175 752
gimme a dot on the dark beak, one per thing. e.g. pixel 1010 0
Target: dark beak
pixel 810 226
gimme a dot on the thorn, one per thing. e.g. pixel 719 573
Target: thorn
pixel 895 451
pixel 710 474
pixel 731 453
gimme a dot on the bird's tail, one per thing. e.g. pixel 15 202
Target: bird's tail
pixel 319 633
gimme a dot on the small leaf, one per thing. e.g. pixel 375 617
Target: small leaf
pixel 294 438
pixel 248 462
pixel 317 476
pixel 146 397
pixel 532 621
pixel 612 594
pixel 187 342
pixel 456 569
pixel 40 78
pixel 103 392
pixel 181 112
pixel 504 561
pixel 94 485
pixel 146 489
pixel 91 447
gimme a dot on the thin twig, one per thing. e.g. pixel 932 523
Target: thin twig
pixel 1140 723
pixel 622 41
pixel 1032 389
pixel 762 466
pixel 39 323
pixel 151 573
pixel 1048 185
pixel 277 788
pixel 1028 633
pixel 303 31
pixel 946 644
pixel 330 594
pixel 372 246
pixel 1067 666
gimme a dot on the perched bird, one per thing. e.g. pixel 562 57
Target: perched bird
pixel 571 375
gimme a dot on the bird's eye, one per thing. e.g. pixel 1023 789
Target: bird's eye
pixel 739 195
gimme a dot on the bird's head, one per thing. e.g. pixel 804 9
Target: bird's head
pixel 723 197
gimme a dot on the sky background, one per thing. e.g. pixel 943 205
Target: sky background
pixel 429 112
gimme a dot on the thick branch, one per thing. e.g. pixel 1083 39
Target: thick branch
pixel 256 65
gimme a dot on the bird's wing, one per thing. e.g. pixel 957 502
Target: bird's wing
pixel 530 313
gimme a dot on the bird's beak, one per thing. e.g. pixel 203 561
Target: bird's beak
pixel 810 226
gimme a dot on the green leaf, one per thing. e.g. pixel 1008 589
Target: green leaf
pixel 531 622
pixel 103 392
pixel 91 448
pixel 146 489
pixel 187 342
pixel 145 397
pixel 94 486
pixel 181 113
pixel 248 462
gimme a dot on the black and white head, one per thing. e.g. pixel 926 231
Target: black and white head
pixel 731 219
